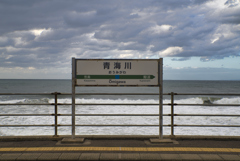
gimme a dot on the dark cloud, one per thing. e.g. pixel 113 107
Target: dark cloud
pixel 232 3
pixel 228 15
pixel 46 34
pixel 173 4
pixel 231 18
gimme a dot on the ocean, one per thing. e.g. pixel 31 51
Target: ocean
pixel 64 86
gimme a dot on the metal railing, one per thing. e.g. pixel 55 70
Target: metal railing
pixel 171 104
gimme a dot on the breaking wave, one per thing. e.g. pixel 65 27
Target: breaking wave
pixel 194 100
pixel 120 109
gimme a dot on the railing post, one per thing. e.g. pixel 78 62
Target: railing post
pixel 56 114
pixel 172 114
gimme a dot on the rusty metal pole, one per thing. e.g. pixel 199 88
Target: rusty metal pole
pixel 56 114
pixel 172 114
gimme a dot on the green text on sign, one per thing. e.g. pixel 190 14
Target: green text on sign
pixel 115 77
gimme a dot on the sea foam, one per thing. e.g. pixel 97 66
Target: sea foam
pixel 120 120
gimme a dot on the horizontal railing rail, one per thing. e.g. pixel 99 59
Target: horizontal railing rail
pixel 171 104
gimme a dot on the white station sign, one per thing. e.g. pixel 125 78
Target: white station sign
pixel 117 72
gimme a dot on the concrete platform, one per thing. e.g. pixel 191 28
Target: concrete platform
pixel 72 141
pixel 119 149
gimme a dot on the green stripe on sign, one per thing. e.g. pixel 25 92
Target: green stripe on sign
pixel 95 77
pixel 115 76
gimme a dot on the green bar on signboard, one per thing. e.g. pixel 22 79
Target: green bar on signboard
pixel 115 77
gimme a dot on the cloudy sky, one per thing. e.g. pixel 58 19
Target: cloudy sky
pixel 197 39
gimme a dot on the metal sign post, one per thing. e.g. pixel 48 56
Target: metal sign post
pixel 73 139
pixel 160 80
pixel 73 96
pixel 160 98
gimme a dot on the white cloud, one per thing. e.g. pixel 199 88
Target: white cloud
pixel 8 57
pixel 125 56
pixel 214 40
pixel 31 68
pixel 38 32
pixel 162 28
pixel 171 51
pixel 158 30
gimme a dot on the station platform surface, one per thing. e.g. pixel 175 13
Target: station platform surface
pixel 120 149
